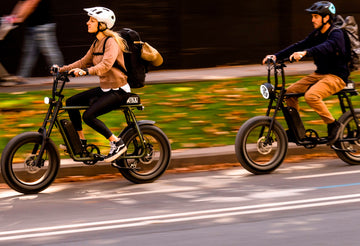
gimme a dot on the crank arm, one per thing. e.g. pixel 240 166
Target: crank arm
pixel 127 168
pixel 98 157
pixel 342 150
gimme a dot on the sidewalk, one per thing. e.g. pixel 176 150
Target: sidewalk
pixel 180 158
pixel 171 76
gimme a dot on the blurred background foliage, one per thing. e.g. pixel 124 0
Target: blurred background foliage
pixel 188 33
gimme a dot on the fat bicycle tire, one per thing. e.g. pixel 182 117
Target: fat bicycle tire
pixel 348 130
pixel 156 160
pixel 17 163
pixel 251 150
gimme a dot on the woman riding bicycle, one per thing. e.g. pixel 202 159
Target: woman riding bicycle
pixel 111 93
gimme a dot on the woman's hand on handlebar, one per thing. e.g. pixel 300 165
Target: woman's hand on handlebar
pixel 78 72
pixel 297 56
pixel 269 58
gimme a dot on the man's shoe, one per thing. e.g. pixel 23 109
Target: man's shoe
pixel 333 132
pixel 116 150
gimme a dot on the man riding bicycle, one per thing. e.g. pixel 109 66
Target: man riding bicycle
pixel 328 48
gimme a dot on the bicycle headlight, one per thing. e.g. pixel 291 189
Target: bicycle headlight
pixel 46 100
pixel 267 90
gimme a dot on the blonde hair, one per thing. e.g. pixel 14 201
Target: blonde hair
pixel 119 40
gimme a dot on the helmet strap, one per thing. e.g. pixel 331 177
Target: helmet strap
pixel 324 23
pixel 101 28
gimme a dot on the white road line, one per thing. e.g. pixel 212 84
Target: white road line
pixel 109 196
pixel 323 175
pixel 178 217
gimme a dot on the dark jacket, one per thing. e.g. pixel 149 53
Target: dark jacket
pixel 327 49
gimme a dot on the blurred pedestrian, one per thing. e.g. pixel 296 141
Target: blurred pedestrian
pixel 5 78
pixel 40 34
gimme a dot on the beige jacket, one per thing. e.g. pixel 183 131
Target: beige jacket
pixel 102 65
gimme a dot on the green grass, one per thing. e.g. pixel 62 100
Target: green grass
pixel 192 114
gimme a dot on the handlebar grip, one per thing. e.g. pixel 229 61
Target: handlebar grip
pixel 270 60
pixel 286 60
pixel 72 74
pixel 54 69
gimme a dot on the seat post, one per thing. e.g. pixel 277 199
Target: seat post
pixel 342 96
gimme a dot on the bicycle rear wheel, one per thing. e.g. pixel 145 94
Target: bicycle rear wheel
pixel 351 148
pixel 156 159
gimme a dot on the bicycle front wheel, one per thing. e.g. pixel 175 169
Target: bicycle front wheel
pixel 259 149
pixel 18 166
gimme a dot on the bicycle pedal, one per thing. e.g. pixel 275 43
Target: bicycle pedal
pixel 99 157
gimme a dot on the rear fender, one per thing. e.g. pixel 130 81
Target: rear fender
pixel 140 123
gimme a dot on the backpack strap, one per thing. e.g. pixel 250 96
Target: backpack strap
pixel 103 51
pixel 116 65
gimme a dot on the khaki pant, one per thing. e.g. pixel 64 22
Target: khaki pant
pixel 322 86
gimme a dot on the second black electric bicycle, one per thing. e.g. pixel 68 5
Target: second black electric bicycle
pixel 262 142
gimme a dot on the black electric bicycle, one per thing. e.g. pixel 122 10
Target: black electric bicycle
pixel 30 161
pixel 262 143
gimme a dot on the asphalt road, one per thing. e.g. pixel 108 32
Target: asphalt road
pixel 311 203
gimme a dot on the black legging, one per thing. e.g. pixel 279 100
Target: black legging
pixel 100 103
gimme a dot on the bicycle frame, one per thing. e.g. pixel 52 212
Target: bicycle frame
pixel 56 108
pixel 278 96
pixel 131 122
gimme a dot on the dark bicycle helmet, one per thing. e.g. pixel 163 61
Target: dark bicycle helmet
pixel 323 8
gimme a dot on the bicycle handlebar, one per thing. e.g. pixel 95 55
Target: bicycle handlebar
pixel 60 76
pixel 280 61
pixel 286 60
pixel 277 66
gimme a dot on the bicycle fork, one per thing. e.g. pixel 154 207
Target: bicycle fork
pixel 49 119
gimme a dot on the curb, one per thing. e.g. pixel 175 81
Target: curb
pixel 183 159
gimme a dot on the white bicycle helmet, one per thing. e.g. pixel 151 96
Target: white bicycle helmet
pixel 102 14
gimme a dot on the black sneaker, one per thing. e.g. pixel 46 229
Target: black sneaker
pixel 116 150
pixel 333 132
